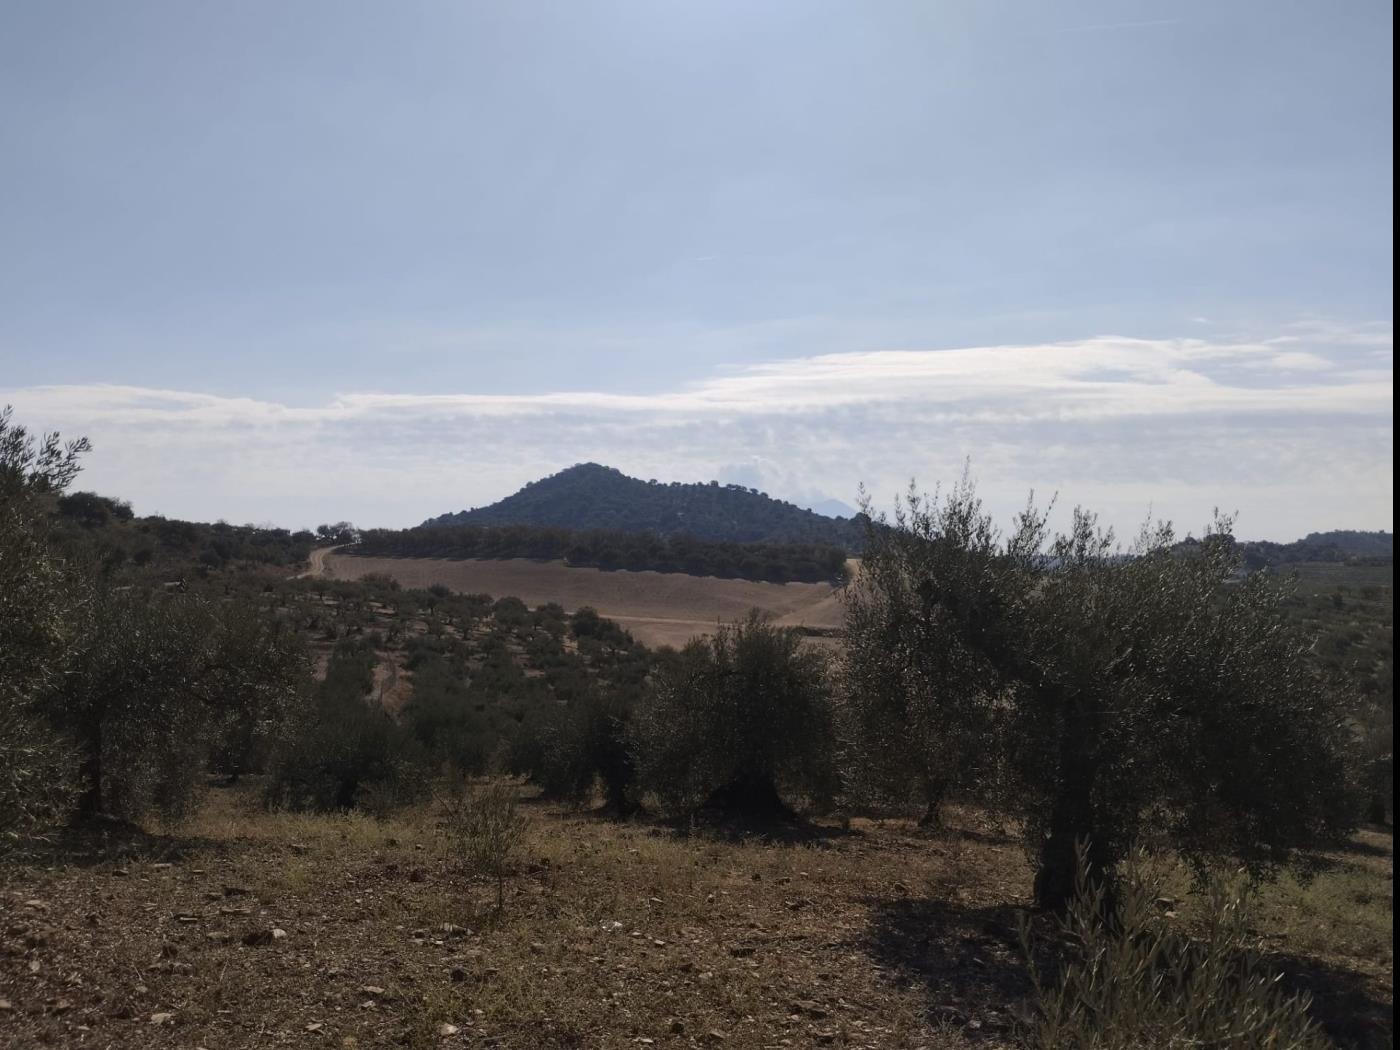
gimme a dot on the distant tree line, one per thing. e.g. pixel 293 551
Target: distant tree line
pixel 84 524
pixel 1349 546
pixel 773 562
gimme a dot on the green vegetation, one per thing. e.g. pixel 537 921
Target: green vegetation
pixel 635 552
pixel 1095 701
pixel 104 532
pixel 1136 983
pixel 1339 546
pixel 1118 699
pixel 589 496
pixel 736 719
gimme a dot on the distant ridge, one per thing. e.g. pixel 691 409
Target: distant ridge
pixel 592 496
pixel 1338 545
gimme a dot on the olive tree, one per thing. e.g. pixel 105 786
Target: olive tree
pixel 1123 696
pixel 735 719
pixel 915 721
pixel 159 682
pixel 36 601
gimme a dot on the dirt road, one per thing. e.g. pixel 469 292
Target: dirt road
pixel 316 562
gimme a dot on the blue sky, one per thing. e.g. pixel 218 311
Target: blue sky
pixel 330 220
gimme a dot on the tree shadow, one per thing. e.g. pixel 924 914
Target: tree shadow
pixel 970 964
pixel 1361 848
pixel 967 960
pixel 1343 1003
pixel 791 831
pixel 104 841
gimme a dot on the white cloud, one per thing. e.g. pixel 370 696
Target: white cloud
pixel 1294 430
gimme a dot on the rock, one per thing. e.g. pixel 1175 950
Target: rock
pixel 277 934
pixel 6 1006
pixel 36 904
pixel 315 1026
pixel 447 1029
pixel 373 989
pixel 163 1018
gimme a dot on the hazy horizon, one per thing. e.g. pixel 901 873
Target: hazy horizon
pixel 342 261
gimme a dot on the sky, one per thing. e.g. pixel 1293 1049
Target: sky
pixel 330 260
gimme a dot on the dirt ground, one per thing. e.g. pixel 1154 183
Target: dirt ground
pixel 248 929
pixel 657 608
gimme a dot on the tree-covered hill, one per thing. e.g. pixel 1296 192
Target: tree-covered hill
pixel 1339 545
pixel 589 496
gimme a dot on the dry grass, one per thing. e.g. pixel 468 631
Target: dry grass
pixel 612 935
pixel 658 608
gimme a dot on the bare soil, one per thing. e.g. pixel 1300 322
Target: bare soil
pixel 657 608
pixel 612 935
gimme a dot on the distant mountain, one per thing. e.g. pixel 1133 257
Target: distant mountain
pixel 590 496
pixel 1354 544
pixel 1339 545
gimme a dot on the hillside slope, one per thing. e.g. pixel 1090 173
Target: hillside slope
pixel 590 496
pixel 658 608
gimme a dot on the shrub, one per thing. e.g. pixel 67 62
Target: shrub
pixel 1129 981
pixel 483 830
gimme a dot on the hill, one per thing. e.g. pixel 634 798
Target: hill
pixel 1339 545
pixel 591 496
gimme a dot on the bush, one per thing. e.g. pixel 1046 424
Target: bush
pixel 736 719
pixel 483 830
pixel 1131 982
